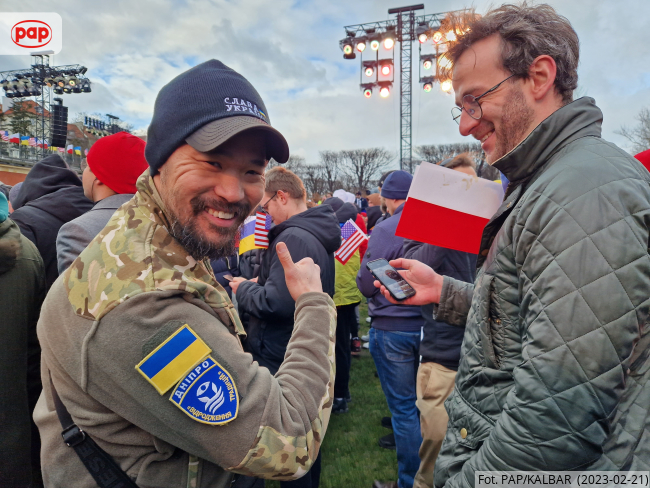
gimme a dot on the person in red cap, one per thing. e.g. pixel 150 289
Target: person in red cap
pixel 112 167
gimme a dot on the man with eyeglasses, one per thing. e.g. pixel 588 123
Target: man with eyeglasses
pixel 555 363
pixel 266 300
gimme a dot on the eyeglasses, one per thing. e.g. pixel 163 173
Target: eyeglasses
pixel 264 207
pixel 471 106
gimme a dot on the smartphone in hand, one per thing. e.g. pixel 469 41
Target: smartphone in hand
pixel 388 276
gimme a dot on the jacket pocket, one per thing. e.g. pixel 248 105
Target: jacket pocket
pixel 467 426
pixel 490 327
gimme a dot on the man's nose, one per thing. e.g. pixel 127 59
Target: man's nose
pixel 467 124
pixel 229 188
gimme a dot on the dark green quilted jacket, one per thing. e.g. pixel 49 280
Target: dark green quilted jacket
pixel 555 360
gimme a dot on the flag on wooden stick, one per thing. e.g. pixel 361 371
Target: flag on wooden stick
pixel 352 237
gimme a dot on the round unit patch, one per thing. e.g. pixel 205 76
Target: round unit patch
pixel 207 394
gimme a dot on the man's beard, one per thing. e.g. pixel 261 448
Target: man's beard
pixel 515 124
pixel 199 246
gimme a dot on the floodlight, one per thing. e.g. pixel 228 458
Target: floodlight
pixel 421 32
pixel 374 44
pixel 367 92
pixel 427 64
pixel 361 44
pixel 437 37
pixel 384 92
pixel 446 86
pixel 427 87
pixel 386 67
pixel 450 36
pixel 369 71
pixel 389 42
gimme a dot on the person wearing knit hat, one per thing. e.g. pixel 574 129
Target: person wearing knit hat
pixel 112 167
pixel 142 344
pixel 394 327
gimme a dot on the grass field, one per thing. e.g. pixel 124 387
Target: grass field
pixel 351 456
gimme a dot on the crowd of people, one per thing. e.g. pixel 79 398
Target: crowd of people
pixel 142 347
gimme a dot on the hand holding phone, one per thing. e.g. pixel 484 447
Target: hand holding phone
pixel 420 277
pixel 388 276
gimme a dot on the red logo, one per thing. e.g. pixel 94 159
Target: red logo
pixel 31 33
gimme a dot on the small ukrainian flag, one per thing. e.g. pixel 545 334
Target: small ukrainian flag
pixel 173 359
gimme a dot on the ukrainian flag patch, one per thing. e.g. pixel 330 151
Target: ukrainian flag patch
pixel 173 359
pixel 207 394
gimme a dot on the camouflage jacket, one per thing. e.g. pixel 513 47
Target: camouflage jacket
pixel 112 331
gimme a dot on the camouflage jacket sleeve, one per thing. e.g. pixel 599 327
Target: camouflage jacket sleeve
pixel 281 419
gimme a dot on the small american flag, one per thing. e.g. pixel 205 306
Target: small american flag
pixel 352 239
pixel 32 141
pixel 5 135
pixel 262 225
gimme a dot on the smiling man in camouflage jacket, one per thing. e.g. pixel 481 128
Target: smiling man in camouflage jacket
pixel 555 363
pixel 142 344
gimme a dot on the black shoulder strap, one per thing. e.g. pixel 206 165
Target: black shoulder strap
pixel 98 462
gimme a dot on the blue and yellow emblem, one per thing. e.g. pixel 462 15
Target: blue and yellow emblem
pixel 207 394
pixel 173 359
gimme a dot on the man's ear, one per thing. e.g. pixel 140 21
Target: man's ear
pixel 541 76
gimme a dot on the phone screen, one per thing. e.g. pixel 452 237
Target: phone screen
pixel 391 279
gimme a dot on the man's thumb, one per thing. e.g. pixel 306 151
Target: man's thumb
pixel 284 255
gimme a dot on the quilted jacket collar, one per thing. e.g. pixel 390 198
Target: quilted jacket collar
pixel 577 119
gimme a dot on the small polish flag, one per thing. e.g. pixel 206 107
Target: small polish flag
pixel 448 208
pixel 352 237
pixel 70 148
pixel 14 138
pixel 262 226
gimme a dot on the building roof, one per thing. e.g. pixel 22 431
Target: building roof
pixel 31 106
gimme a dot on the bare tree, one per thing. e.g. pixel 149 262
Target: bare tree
pixel 365 165
pixel 639 135
pixel 331 163
pixel 312 177
pixel 436 153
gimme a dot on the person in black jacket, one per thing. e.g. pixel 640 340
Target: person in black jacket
pixel 440 344
pixel 313 233
pixel 50 196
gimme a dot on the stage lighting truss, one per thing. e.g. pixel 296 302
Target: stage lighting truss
pixel 384 88
pixel 369 68
pixel 30 83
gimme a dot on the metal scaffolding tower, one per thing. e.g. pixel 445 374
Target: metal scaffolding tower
pixel 406 27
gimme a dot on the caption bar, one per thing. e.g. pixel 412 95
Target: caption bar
pixel 561 479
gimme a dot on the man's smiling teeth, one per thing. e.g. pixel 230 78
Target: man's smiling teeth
pixel 486 136
pixel 221 215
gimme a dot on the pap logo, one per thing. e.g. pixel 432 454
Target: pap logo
pixel 31 34
pixel 24 33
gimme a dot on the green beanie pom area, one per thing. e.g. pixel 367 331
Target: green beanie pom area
pixel 4 207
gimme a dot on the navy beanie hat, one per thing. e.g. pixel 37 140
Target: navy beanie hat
pixel 204 107
pixel 397 185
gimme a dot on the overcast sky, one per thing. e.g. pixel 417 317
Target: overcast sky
pixel 289 51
